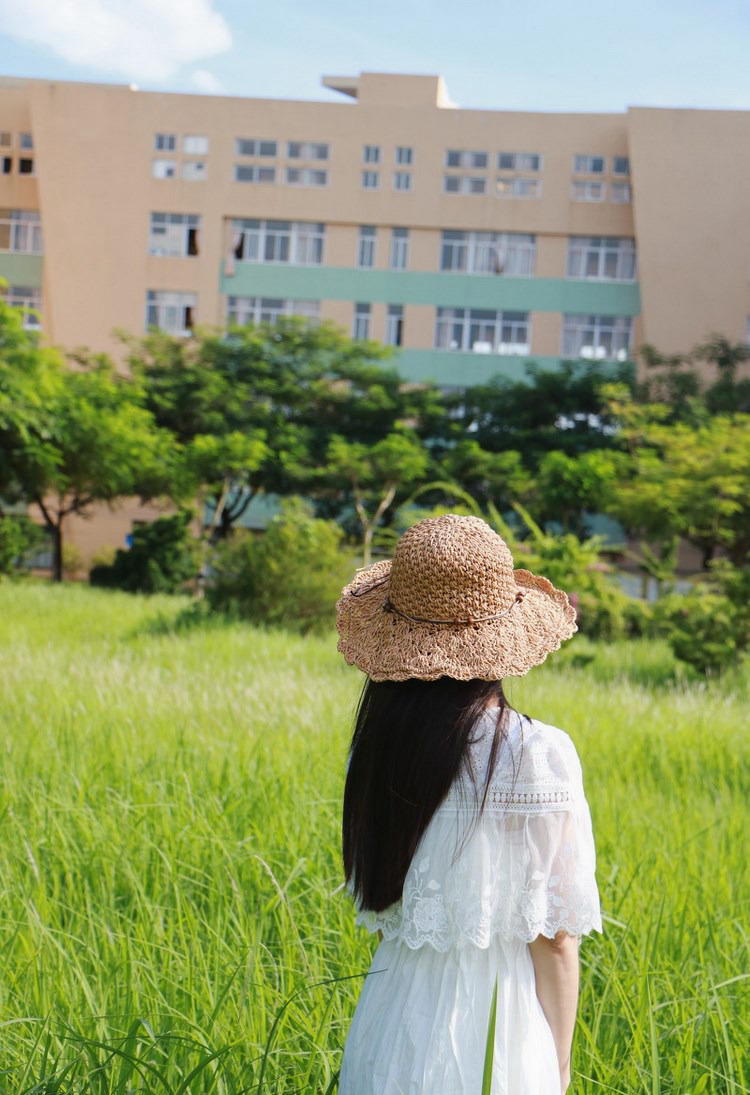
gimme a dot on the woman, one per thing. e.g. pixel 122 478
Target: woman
pixel 466 835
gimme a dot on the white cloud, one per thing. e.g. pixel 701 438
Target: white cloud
pixel 205 81
pixel 140 39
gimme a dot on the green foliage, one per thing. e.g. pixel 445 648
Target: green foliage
pixel 161 559
pixel 19 537
pixel 709 628
pixel 291 576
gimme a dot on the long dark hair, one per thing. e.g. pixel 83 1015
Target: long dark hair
pixel 410 740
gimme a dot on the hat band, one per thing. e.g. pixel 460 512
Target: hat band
pixel 388 606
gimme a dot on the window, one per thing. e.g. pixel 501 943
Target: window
pixel 6 139
pixel 394 325
pixel 25 166
pixel 171 312
pixel 164 169
pixel 588 191
pixel 246 146
pixel 297 242
pixel 399 248
pixel 194 145
pixel 193 170
pixel 244 310
pixel 509 253
pixel 371 153
pixel 464 184
pixel 601 258
pixel 366 246
pixel 25 141
pixel 29 300
pixel 6 165
pixel 404 155
pixel 599 337
pixel 482 331
pixel 620 165
pixel 370 180
pixel 254 173
pixel 306 176
pixel 21 231
pixel 518 187
pixel 174 234
pixel 519 161
pixel 402 180
pixel 620 193
pixel 306 150
pixel 589 165
pixel 456 157
pixel 165 142
pixel 361 328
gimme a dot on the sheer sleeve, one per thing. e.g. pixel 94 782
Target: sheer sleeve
pixel 523 867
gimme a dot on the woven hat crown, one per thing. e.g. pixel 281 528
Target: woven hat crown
pixel 451 567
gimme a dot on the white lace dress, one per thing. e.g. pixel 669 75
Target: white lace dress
pixel 476 893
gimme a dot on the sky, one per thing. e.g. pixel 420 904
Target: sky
pixel 547 55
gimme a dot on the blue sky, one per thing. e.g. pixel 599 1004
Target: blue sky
pixel 527 55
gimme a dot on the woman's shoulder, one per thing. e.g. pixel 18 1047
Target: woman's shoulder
pixel 534 752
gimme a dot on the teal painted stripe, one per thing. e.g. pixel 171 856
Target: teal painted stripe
pixel 438 290
pixel 450 369
pixel 23 270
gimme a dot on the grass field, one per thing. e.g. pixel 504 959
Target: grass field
pixel 171 920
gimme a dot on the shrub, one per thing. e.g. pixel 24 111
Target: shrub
pixel 290 576
pixel 19 538
pixel 709 628
pixel 161 559
pixel 73 563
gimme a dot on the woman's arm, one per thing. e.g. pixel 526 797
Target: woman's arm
pixel 556 970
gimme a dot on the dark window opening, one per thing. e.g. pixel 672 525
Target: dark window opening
pixel 188 320
pixel 7 165
pixel 25 167
pixel 239 251
pixel 192 241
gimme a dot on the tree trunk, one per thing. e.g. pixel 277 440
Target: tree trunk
pixel 367 545
pixel 57 549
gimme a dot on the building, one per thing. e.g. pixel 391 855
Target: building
pixel 473 240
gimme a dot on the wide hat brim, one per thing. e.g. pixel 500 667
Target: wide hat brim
pixel 388 647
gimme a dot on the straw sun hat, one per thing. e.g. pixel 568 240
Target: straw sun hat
pixel 450 604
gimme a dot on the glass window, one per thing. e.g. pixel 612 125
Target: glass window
pixel 6 165
pixel 171 312
pixel 174 234
pixel 508 253
pixel 306 150
pixel 402 180
pixel 404 155
pixel 370 180
pixel 455 157
pixel 249 146
pixel 620 165
pixel 254 173
pixel 21 231
pixel 516 186
pixel 361 327
pixel 6 139
pixel 25 141
pixel 299 243
pixel 482 331
pixel 371 153
pixel 589 165
pixel 193 170
pixel 366 246
pixel 243 310
pixel 25 166
pixel 399 248
pixel 582 191
pixel 165 142
pixel 195 145
pixel 601 258
pixel 620 193
pixel 597 337
pixel 464 184
pixel 28 300
pixel 519 161
pixel 306 176
pixel 164 169
pixel 394 325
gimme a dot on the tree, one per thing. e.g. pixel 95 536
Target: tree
pixel 569 487
pixel 372 476
pixel 71 438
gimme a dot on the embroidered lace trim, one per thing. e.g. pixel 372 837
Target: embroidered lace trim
pixel 512 799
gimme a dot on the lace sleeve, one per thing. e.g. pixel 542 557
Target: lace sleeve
pixel 524 867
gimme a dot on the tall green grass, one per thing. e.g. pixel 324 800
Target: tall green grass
pixel 170 913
